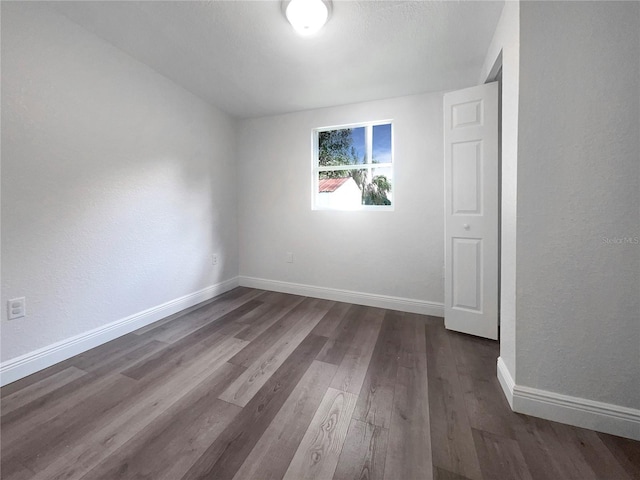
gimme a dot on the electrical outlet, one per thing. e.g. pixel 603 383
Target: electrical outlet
pixel 16 308
pixel 214 259
pixel 289 257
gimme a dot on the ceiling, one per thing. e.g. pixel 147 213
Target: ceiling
pixel 243 56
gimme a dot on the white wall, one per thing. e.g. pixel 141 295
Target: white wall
pixel 117 185
pixel 506 46
pixel 578 311
pixel 393 253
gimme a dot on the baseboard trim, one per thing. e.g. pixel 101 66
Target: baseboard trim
pixel 24 365
pixel 576 411
pixel 506 381
pixel 358 298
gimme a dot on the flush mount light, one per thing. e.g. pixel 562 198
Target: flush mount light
pixel 306 16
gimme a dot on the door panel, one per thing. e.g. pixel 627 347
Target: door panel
pixel 467 283
pixel 471 210
pixel 466 186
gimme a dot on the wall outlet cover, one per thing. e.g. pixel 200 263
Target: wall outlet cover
pixel 16 308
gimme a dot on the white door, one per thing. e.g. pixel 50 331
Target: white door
pixel 471 210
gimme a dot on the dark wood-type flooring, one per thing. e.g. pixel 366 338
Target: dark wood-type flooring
pixel 263 385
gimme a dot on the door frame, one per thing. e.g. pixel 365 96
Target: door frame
pixel 495 75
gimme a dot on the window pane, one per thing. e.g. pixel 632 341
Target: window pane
pixel 345 146
pixel 378 188
pixel 382 143
pixel 359 144
pixel 339 190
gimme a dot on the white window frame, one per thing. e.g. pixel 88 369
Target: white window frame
pixel 368 136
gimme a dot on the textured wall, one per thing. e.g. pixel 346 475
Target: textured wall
pixel 578 312
pixel 117 185
pixel 398 253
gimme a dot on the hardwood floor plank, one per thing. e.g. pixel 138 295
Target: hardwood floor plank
pixel 332 319
pixel 179 354
pixel 272 454
pixel 168 446
pixel 200 308
pixel 283 299
pixel 596 454
pixel 500 457
pixel 363 453
pixel 442 474
pixel 320 448
pixel 228 452
pixel 486 406
pixel 221 321
pixel 273 334
pixel 257 374
pixel 154 396
pixel 213 317
pixel 107 352
pixel 376 396
pixel 30 417
pixel 21 383
pixel 412 341
pixel 426 320
pixel 265 316
pixel 626 451
pixel 119 363
pixel 320 303
pixel 353 368
pixel 98 354
pixel 336 350
pixel 39 389
pixel 15 471
pixel 52 403
pixel 545 454
pixel 575 448
pixel 39 447
pixel 254 315
pixel 474 356
pixel 409 450
pixel 342 337
pixel 97 362
pixel 453 448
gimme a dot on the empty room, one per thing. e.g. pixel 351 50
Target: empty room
pixel 320 239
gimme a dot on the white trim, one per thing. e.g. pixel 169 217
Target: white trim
pixel 371 123
pixel 506 381
pixel 580 412
pixel 354 166
pixel 19 367
pixel 359 298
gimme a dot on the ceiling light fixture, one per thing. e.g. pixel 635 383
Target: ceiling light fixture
pixel 307 16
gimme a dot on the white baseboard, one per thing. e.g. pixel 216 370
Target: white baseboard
pixel 24 365
pixel 358 298
pixel 580 412
pixel 506 381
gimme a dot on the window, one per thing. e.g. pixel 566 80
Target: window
pixel 353 167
